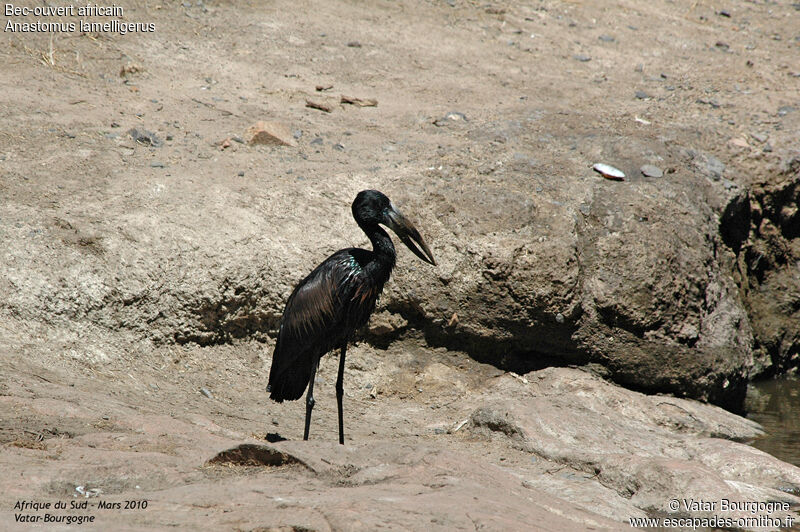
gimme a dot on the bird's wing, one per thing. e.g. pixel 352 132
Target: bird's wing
pixel 310 308
pixel 308 328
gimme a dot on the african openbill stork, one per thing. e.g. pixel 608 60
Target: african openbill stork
pixel 335 300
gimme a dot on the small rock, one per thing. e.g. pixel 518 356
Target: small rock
pixel 453 320
pixel 714 166
pixel 270 133
pixel 129 69
pixel 582 58
pixel 648 170
pixel 452 116
pixel 606 38
pixel 359 102
pixel 641 95
pixel 713 103
pixel 317 140
pixel 767 147
pixel 157 164
pixel 739 143
pixel 385 322
pixel 207 393
pixel 338 146
pixel 240 174
pixel 759 137
pixel 354 44
pixel 319 105
pixel 722 45
pixel 297 134
pixel 724 13
pixel 785 110
pixel 559 318
pixel 148 138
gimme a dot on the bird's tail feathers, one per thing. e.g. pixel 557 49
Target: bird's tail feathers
pixel 289 384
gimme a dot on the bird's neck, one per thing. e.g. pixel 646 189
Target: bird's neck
pixel 383 248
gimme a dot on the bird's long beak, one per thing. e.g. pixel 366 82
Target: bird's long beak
pixel 408 234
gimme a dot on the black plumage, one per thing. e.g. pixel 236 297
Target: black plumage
pixel 335 300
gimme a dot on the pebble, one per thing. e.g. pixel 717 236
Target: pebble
pixel 559 318
pixel 641 95
pixel 649 170
pixel 582 58
pixel 739 142
pixel 713 103
pixel 297 133
pixel 452 116
pixel 715 166
pixel 354 44
pixel 785 110
pixel 157 164
pixel 338 146
pixel 606 38
pixel 240 174
pixel 760 137
pixel 270 133
pixel 205 392
pixel 142 136
pixel 317 140
pixel 609 172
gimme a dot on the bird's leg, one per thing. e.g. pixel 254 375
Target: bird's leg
pixel 310 398
pixel 340 392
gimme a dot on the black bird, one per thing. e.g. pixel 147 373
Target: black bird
pixel 335 300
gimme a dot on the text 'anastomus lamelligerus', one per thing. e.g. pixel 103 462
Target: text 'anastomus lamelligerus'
pixel 335 299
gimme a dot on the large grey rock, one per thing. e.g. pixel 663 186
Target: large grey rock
pixel 646 449
pixel 565 268
pixel 635 275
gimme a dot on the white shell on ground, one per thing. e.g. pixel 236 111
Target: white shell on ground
pixel 609 172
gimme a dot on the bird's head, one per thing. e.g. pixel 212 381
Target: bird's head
pixel 372 207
